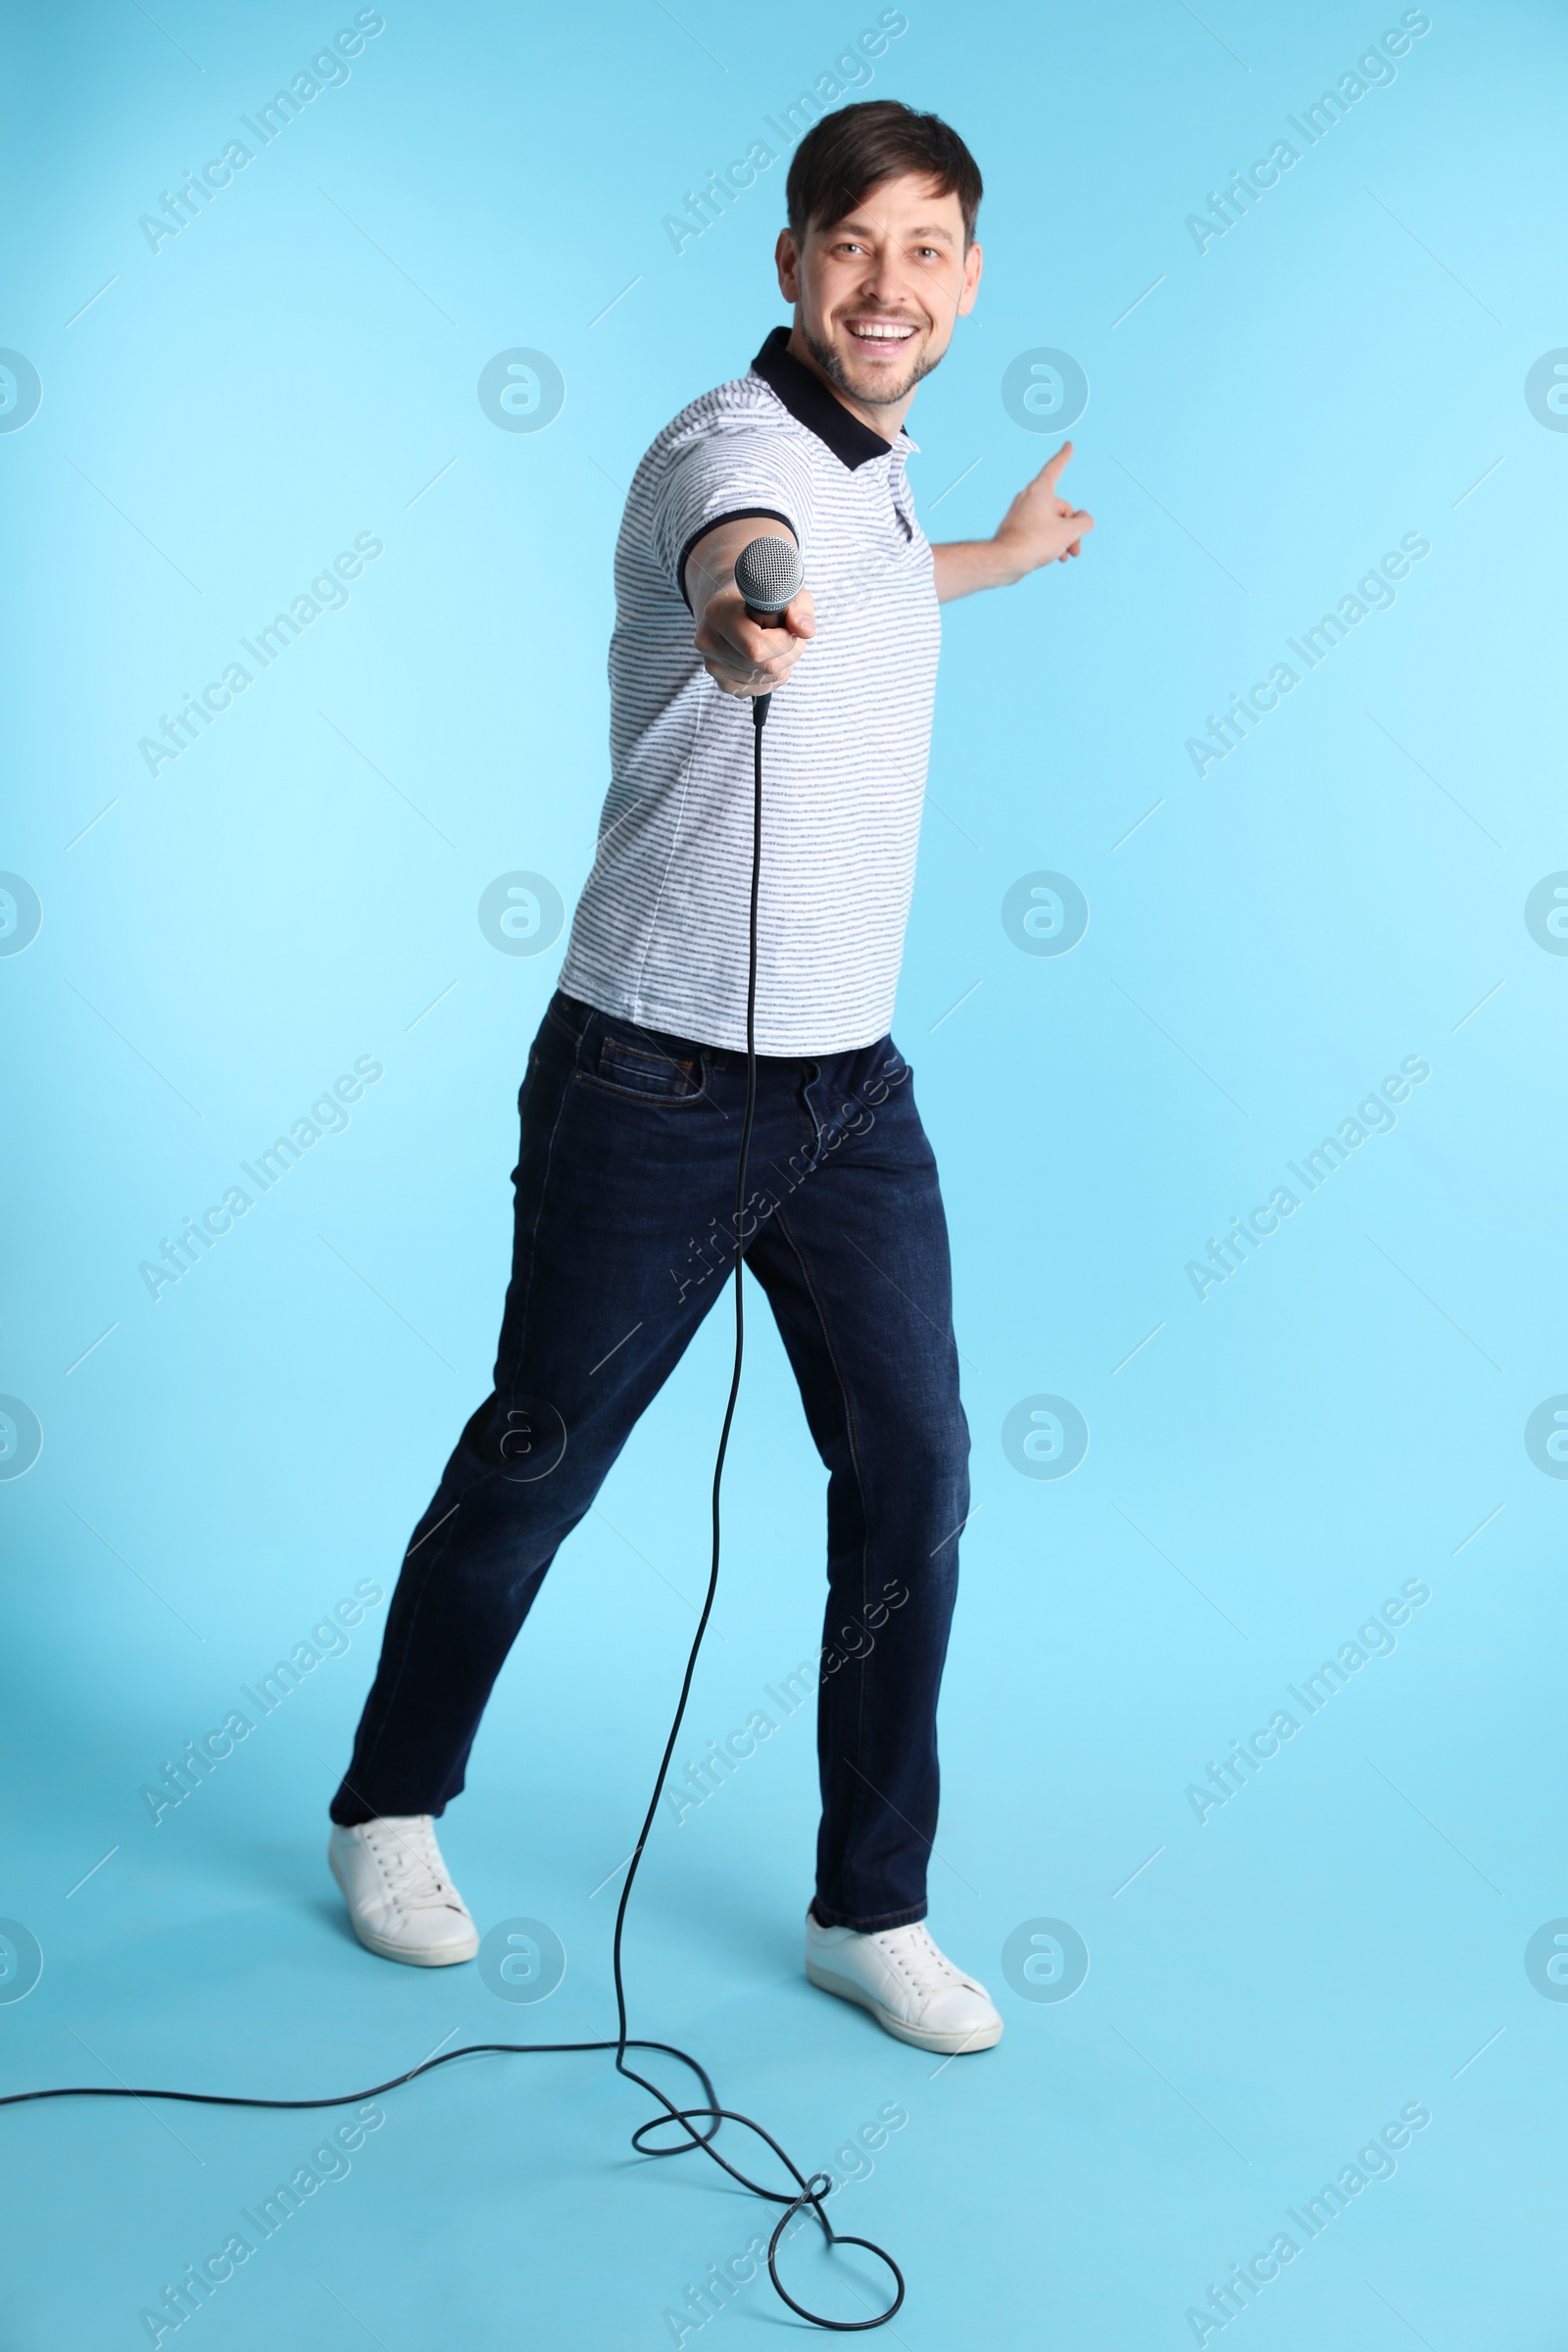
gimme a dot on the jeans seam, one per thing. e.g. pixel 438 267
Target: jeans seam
pixel 557 1021
pixel 851 1433
pixel 539 1210
pixel 881 1920
pixel 818 1131
pixel 637 1094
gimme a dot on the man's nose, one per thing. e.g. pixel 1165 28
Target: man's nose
pixel 884 286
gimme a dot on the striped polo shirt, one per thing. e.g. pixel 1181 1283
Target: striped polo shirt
pixel 659 934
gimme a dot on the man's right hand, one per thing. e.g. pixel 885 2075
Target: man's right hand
pixel 739 657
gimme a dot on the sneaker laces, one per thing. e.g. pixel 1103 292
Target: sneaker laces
pixel 411 1864
pixel 912 1952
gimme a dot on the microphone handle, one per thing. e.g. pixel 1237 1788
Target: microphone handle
pixel 760 703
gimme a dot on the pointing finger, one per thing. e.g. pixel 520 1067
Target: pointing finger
pixel 1053 466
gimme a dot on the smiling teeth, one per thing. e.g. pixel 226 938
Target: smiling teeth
pixel 883 334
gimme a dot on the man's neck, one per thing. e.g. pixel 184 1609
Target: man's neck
pixel 883 419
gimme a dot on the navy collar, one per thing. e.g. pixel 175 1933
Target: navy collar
pixel 809 400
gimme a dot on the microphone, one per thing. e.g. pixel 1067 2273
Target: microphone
pixel 769 573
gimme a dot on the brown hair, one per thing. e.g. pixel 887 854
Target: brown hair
pixel 846 155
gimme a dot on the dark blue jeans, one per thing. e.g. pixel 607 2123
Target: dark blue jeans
pixel 624 1222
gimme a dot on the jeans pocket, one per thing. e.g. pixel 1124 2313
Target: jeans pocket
pixel 646 1070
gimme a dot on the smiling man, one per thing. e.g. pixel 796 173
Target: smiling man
pixel 632 1102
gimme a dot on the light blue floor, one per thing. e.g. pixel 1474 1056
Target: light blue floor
pixel 1319 2017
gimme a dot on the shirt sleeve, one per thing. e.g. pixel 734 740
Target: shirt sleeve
pixel 721 477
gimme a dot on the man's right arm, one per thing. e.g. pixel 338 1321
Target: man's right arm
pixel 739 657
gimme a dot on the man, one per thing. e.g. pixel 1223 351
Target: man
pixel 631 1107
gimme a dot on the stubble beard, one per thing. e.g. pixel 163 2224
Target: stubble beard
pixel 832 366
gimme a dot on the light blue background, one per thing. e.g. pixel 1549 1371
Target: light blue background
pixel 301 888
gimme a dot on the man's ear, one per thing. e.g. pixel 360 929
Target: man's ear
pixel 971 281
pixel 787 255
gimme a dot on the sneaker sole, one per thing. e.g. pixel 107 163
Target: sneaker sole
pixel 921 2037
pixel 445 1956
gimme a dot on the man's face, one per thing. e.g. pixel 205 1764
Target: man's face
pixel 878 293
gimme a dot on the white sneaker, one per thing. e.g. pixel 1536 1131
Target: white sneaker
pixel 400 1900
pixel 912 1989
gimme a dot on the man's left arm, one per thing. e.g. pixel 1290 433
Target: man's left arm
pixel 1039 527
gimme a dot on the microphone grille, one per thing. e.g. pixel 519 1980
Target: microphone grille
pixel 769 573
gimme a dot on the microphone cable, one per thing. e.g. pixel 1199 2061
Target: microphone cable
pixel 700 2123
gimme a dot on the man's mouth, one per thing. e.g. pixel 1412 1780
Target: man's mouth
pixel 880 334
